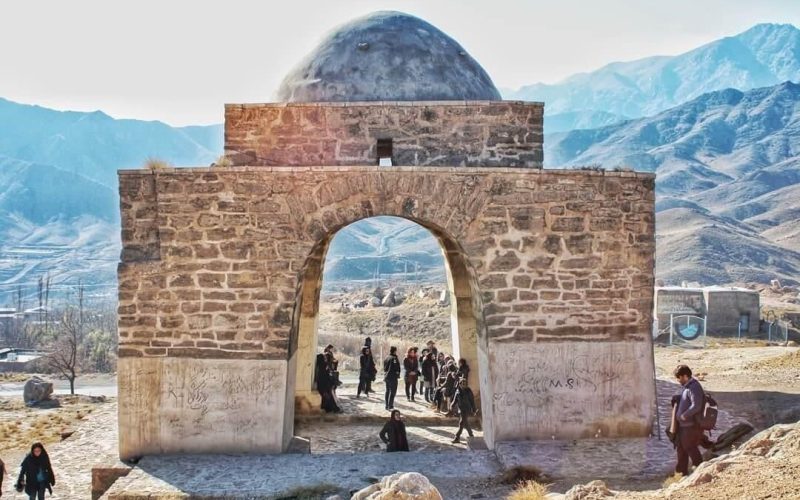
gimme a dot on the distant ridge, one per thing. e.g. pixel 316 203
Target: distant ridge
pixel 764 55
pixel 727 185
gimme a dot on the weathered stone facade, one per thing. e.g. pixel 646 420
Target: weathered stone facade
pixel 551 270
pixel 439 133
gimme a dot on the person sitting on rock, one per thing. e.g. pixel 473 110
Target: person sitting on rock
pixel 36 475
pixel 393 433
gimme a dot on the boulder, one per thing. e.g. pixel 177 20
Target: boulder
pixel 595 489
pixel 389 299
pixel 36 390
pixel 444 298
pixel 400 486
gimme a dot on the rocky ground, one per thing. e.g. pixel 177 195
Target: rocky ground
pixel 416 317
pixel 758 383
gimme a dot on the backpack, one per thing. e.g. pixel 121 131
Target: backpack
pixel 707 418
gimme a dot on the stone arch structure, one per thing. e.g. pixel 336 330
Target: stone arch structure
pixel 469 332
pixel 553 267
pixel 560 266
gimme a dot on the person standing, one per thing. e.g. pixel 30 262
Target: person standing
pixel 368 343
pixel 429 374
pixel 3 474
pixel 463 369
pixel 411 365
pixel 366 371
pixel 393 433
pixel 690 434
pixel 36 475
pixel 420 359
pixel 464 400
pixel 391 373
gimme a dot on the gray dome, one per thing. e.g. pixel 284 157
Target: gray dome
pixel 387 56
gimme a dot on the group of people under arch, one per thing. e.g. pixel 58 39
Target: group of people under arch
pixel 439 378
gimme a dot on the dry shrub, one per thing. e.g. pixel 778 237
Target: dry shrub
pixel 528 490
pixel 223 161
pixel 672 480
pixel 523 473
pixel 155 164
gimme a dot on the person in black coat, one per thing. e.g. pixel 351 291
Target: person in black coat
pixel 366 372
pixel 393 433
pixel 326 382
pixel 3 474
pixel 368 343
pixel 391 373
pixel 36 475
pixel 430 371
pixel 464 400
pixel 411 365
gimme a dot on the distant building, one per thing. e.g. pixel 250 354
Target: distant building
pixel 730 307
pixel 724 308
pixel 17 360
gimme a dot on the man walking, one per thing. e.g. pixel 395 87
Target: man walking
pixel 465 401
pixel 690 403
pixel 391 372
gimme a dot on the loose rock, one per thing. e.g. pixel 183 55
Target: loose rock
pixel 36 390
pixel 400 486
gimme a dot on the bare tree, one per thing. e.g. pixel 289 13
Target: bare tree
pixel 64 357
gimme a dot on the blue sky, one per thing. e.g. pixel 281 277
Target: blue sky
pixel 179 61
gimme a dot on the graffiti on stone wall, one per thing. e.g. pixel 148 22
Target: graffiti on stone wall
pixel 553 386
pixel 195 399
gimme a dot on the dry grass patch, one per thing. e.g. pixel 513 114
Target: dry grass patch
pixel 672 480
pixel 14 377
pixel 21 425
pixel 528 490
pixel 790 361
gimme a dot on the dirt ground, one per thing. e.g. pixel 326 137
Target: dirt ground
pixel 756 382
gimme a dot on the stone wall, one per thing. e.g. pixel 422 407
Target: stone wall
pixel 560 265
pixel 450 133
pixel 726 307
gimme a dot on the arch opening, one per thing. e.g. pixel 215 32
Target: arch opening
pixel 337 304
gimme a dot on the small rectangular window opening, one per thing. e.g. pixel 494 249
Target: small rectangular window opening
pixel 385 152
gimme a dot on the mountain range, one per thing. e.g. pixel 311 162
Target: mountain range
pixel 727 185
pixel 719 125
pixel 765 55
pixel 59 207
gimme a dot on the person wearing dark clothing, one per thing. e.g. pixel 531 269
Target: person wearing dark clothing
pixel 430 371
pixel 449 386
pixel 393 433
pixel 464 400
pixel 411 365
pixel 3 474
pixel 391 372
pixel 368 343
pixel 36 475
pixel 326 382
pixel 420 359
pixel 463 369
pixel 366 372
pixel 690 434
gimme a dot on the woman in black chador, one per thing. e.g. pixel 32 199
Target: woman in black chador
pixel 36 475
pixel 366 371
pixel 326 382
pixel 393 433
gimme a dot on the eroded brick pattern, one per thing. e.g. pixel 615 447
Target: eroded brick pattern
pixel 556 255
pixel 486 134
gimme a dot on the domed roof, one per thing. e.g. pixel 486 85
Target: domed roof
pixel 387 56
